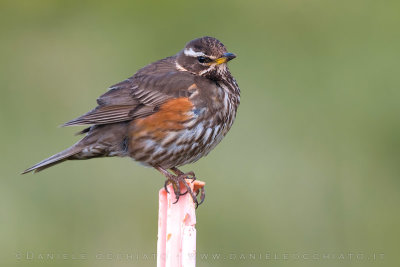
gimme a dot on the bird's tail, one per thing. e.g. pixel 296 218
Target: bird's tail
pixel 55 159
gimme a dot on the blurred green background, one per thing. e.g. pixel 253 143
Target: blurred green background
pixel 310 168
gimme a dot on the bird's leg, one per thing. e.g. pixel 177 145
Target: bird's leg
pixel 173 179
pixel 191 176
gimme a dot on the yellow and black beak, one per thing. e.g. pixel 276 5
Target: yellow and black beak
pixel 225 58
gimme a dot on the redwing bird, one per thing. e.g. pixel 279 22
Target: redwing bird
pixel 170 113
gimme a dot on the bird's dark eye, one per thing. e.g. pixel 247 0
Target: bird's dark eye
pixel 202 59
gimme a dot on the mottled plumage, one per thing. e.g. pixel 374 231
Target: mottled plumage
pixel 170 113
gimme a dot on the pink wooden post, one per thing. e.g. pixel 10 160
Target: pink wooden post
pixel 176 245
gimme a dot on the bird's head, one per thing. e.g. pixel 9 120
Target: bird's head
pixel 204 56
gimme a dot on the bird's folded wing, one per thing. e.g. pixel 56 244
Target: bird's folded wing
pixel 135 98
pixel 103 115
pixel 114 106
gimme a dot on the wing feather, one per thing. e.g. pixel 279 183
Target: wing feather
pixel 103 115
pixel 138 96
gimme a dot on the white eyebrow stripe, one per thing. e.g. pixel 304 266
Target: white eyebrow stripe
pixel 191 53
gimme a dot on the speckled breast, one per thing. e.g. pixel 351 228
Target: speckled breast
pixel 179 132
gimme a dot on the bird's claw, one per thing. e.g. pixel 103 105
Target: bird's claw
pixel 202 195
pixel 175 182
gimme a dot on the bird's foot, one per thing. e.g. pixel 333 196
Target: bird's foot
pixel 198 187
pixel 189 175
pixel 179 179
